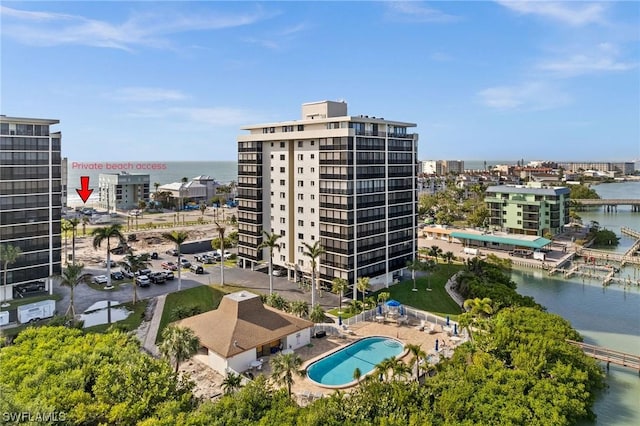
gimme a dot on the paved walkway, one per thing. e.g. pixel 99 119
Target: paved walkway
pixel 150 339
pixel 452 293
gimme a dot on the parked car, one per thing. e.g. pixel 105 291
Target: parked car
pixel 100 279
pixel 197 269
pixel 204 258
pixel 104 263
pixel 32 287
pixel 121 249
pixel 143 281
pixel 170 266
pixel 154 254
pixel 157 277
pixel 279 272
pixel 117 275
pixel 168 275
pixel 145 271
pixel 127 273
pixel 185 263
pixel 172 252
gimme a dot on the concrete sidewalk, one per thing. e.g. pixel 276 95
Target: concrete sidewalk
pixel 152 332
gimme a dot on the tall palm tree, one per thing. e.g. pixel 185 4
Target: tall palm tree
pixel 476 309
pixel 221 229
pixel 71 277
pixel 363 286
pixel 339 285
pixel 384 366
pixel 74 230
pixel 65 227
pixel 177 237
pixel 135 263
pixel 8 255
pixel 203 208
pixel 448 257
pixel 429 266
pixel 283 367
pixel 383 296
pixel 317 314
pixel 156 185
pixel 357 374
pixel 313 252
pixel 414 266
pixel 270 241
pixel 418 355
pixel 435 251
pixel 85 221
pixel 231 383
pixel 179 343
pixel 106 233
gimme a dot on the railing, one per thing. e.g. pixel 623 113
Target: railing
pixel 609 356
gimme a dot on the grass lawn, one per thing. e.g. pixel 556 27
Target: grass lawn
pixel 436 301
pixel 345 314
pixel 132 322
pixel 205 297
pixel 19 302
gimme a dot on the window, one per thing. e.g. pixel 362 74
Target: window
pixel 300 157
pixel 272 193
pixel 300 170
pixel 271 143
pixel 272 179
pixel 271 168
pixel 272 207
pixel 313 197
pixel 283 245
pixel 301 210
pixel 313 170
pixel 313 237
pixel 281 144
pixel 282 195
pixel 301 197
pixel 299 144
pixel 300 222
pixel 282 157
pixel 300 249
pixel 313 183
pixel 282 220
pixel 282 258
pixel 300 262
pixel 313 224
pixel 281 181
pixel 282 232
pixel 313 210
pixel 300 127
pixel 312 144
pixel 272 156
pixel 312 155
pixel 281 169
pixel 301 236
pixel 281 207
pixel 300 183
pixel 272 130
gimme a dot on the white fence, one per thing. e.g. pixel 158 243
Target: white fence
pixel 412 313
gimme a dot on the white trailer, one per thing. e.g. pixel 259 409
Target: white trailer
pixel 471 251
pixel 4 317
pixel 538 255
pixel 36 311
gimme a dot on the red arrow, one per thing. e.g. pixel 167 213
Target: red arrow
pixel 84 192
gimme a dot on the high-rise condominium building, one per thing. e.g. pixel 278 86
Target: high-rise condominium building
pixel 30 198
pixel 347 182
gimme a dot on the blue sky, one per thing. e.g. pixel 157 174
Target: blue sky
pixel 154 81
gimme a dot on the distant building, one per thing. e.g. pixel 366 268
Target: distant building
pixel 528 210
pixel 441 167
pixel 30 198
pixel 625 168
pixel 348 182
pixel 122 191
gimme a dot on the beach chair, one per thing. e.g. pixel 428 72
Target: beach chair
pixel 431 329
pixel 306 395
pixel 421 326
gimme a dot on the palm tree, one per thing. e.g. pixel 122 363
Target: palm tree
pixel 231 383
pixel 357 374
pixel 428 267
pixel 363 286
pixel 418 355
pixel 317 314
pixel 475 309
pixel 71 277
pixel 270 241
pixel 283 367
pixel 435 251
pixel 400 369
pixel 414 266
pixel 179 343
pixel 448 257
pixel 313 252
pixel 203 208
pixel 221 230
pixel 156 185
pixel 338 287
pixel 85 220
pixel 65 227
pixel 8 255
pixel 383 296
pixel 106 233
pixel 135 263
pixel 384 366
pixel 177 237
pixel 299 308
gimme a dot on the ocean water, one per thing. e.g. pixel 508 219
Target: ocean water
pixel 605 316
pixel 162 172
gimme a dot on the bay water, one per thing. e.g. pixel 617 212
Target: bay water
pixel 605 316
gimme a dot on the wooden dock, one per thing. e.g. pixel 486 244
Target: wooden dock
pixel 609 256
pixel 609 355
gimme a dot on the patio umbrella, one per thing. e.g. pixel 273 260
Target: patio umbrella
pixel 339 319
pixel 379 309
pixel 393 303
pixel 401 310
pixel 447 320
pixel 455 329
pixel 437 345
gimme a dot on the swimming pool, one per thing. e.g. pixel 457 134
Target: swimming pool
pixel 336 369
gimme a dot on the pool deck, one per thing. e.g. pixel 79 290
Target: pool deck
pixel 407 334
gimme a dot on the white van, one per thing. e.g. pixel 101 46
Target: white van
pixel 36 311
pixel 4 317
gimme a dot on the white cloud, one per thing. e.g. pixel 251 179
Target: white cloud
pixel 414 11
pixel 527 96
pixel 210 116
pixel 602 58
pixel 572 13
pixel 141 29
pixel 146 94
